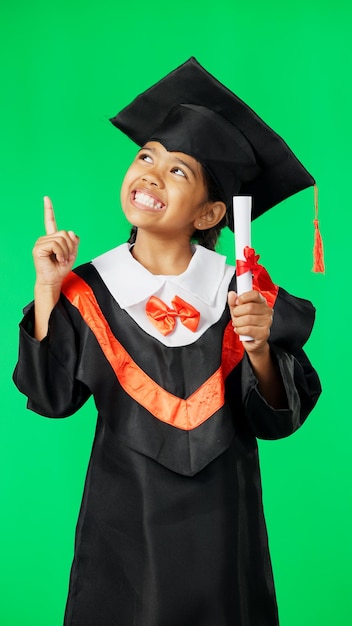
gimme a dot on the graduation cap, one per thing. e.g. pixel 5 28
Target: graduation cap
pixel 190 111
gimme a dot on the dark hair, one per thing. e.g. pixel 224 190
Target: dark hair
pixel 206 238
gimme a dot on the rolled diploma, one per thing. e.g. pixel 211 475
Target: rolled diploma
pixel 242 208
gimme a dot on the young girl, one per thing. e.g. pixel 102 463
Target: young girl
pixel 171 529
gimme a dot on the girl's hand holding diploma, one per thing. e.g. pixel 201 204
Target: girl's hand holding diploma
pixel 251 315
pixel 54 255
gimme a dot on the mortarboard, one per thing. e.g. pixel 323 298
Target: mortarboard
pixel 190 111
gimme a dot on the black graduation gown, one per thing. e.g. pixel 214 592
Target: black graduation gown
pixel 171 529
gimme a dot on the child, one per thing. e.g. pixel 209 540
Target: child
pixel 171 529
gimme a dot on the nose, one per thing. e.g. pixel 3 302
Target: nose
pixel 153 178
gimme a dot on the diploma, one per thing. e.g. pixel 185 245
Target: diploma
pixel 242 208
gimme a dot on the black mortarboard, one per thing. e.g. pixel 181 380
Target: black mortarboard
pixel 190 111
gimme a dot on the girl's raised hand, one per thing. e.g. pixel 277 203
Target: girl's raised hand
pixel 54 253
pixel 252 316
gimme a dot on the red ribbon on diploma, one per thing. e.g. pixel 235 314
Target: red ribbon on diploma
pixel 261 279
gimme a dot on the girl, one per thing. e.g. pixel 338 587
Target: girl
pixel 171 530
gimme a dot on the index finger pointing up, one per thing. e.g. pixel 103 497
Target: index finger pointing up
pixel 49 217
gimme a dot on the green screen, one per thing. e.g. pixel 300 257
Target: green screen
pixel 66 67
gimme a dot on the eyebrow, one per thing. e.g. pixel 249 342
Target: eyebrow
pixel 176 159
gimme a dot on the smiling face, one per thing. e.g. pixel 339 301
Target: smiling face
pixel 164 192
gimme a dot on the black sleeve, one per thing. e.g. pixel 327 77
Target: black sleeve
pixel 292 324
pixel 46 371
pixel 302 389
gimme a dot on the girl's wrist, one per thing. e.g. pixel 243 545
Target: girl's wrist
pixel 260 355
pixel 44 290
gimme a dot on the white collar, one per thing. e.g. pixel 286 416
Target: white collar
pixel 130 282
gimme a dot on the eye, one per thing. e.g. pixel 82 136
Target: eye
pixel 179 172
pixel 144 156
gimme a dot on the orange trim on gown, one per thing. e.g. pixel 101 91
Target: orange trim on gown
pixel 185 414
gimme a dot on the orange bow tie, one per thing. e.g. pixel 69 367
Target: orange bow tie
pixel 163 317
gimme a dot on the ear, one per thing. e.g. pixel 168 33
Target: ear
pixel 210 215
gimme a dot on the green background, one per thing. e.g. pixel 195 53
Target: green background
pixel 66 67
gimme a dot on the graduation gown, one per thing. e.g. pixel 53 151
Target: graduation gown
pixel 171 530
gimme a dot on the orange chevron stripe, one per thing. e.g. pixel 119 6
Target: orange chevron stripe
pixel 232 350
pixel 183 414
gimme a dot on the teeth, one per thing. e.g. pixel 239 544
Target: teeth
pixel 143 198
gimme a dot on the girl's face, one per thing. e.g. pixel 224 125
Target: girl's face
pixel 164 192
